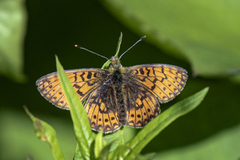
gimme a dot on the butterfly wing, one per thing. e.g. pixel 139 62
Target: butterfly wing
pixel 145 85
pixel 101 109
pixel 142 106
pixel 84 82
pixel 162 80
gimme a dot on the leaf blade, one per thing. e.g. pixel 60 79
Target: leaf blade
pixel 12 23
pixel 45 132
pixel 79 116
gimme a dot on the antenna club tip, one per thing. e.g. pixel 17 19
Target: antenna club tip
pixel 77 46
pixel 143 37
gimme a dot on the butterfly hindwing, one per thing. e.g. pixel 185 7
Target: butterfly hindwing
pixel 101 108
pixel 142 105
pixel 84 82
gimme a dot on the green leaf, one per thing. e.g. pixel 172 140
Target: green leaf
pixel 121 152
pixel 206 33
pixel 148 156
pixel 98 144
pixel 12 31
pixel 116 139
pixel 221 146
pixel 106 145
pixel 104 155
pixel 154 127
pixel 79 116
pixel 119 44
pixel 78 155
pixel 109 151
pixel 45 132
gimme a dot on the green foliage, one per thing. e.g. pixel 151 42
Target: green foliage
pixel 12 27
pixel 45 132
pixel 220 146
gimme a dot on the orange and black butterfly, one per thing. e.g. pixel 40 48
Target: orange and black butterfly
pixel 118 96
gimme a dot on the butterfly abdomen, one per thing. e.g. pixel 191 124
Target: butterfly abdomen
pixel 117 80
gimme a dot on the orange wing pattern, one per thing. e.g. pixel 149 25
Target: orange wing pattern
pixel 101 108
pixel 84 82
pixel 162 80
pixel 144 84
pixel 142 106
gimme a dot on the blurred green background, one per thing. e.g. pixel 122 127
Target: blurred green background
pixel 201 36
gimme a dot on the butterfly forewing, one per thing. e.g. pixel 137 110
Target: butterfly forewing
pixel 84 82
pixel 164 81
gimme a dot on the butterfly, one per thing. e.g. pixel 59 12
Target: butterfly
pixel 118 96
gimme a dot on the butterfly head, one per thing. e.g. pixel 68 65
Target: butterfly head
pixel 115 64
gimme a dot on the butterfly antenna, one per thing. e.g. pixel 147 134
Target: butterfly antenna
pixel 132 46
pixel 80 47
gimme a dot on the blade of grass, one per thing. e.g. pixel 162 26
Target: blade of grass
pixel 119 44
pixel 45 132
pixel 106 64
pixel 79 116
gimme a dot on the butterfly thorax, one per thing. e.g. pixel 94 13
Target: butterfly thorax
pixel 117 77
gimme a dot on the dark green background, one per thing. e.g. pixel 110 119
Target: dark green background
pixel 53 28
